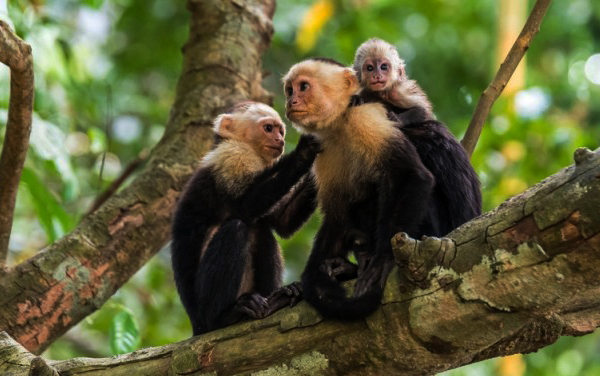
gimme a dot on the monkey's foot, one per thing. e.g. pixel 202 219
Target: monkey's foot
pixel 375 274
pixel 287 296
pixel 253 305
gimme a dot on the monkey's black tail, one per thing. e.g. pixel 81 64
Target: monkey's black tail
pixel 330 299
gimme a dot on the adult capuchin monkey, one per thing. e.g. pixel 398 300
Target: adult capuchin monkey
pixel 370 182
pixel 226 261
pixel 456 196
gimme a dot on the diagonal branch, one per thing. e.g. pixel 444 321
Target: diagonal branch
pixel 507 68
pixel 16 54
pixel 44 296
pixel 510 281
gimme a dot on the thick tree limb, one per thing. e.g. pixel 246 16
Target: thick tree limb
pixel 51 292
pixel 507 68
pixel 511 281
pixel 15 54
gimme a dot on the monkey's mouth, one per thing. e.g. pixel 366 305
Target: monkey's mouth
pixel 378 84
pixel 278 148
pixel 296 114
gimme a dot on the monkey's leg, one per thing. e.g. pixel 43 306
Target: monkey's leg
pixel 219 277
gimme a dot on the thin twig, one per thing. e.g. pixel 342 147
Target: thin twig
pixel 15 54
pixel 507 68
pixel 114 186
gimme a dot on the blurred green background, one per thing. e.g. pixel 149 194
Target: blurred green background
pixel 106 72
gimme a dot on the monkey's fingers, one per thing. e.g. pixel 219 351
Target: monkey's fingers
pixel 363 260
pixel 387 268
pixel 276 304
pixel 369 278
pixel 338 266
pixel 254 305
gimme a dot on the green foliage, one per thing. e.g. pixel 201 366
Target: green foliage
pixel 124 334
pixel 106 72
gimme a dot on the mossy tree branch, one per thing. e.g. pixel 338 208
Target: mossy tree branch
pixel 511 281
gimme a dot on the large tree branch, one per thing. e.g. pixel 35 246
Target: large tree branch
pixel 510 281
pixel 507 68
pixel 51 292
pixel 15 54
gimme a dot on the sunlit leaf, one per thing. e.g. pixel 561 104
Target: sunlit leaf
pixel 513 150
pixel 48 142
pixel 513 365
pixel 96 4
pixel 124 333
pixel 313 21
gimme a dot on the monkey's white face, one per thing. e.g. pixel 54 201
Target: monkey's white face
pixel 259 126
pixel 377 73
pixel 317 93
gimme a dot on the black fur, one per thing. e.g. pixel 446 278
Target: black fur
pixel 209 284
pixel 395 200
pixel 456 196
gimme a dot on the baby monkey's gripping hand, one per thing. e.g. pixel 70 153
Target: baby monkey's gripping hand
pixel 308 147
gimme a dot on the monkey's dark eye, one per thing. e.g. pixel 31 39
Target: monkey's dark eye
pixel 268 128
pixel 289 91
pixel 370 68
pixel 304 86
pixel 384 66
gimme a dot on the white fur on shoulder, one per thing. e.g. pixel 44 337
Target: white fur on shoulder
pixel 235 164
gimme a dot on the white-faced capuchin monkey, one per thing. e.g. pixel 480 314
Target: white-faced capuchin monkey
pixel 370 181
pixel 226 261
pixel 456 196
pixel 382 76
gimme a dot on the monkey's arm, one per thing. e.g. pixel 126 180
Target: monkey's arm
pixel 295 210
pixel 273 183
pixel 402 204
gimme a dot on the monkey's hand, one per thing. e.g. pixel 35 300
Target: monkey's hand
pixel 372 272
pixel 287 296
pixel 308 146
pixel 252 304
pixel 339 268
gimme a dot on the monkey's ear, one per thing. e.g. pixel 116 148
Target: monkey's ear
pixel 224 126
pixel 401 71
pixel 350 79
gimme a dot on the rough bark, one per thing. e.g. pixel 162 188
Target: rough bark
pixel 507 68
pixel 51 292
pixel 511 281
pixel 15 54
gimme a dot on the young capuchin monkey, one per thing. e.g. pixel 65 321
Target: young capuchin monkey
pixel 456 196
pixel 226 261
pixel 370 182
pixel 382 76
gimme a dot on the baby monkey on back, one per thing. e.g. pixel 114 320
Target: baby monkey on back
pixel 226 261
pixel 382 75
pixel 456 196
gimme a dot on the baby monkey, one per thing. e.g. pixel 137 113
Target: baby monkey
pixel 382 76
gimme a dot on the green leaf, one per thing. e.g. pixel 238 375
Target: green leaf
pixel 96 4
pixel 124 332
pixel 54 220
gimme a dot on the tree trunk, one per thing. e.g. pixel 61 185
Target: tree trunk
pixel 510 281
pixel 51 292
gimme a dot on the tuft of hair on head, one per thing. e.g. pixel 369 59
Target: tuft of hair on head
pixel 222 124
pixel 376 48
pixel 327 60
